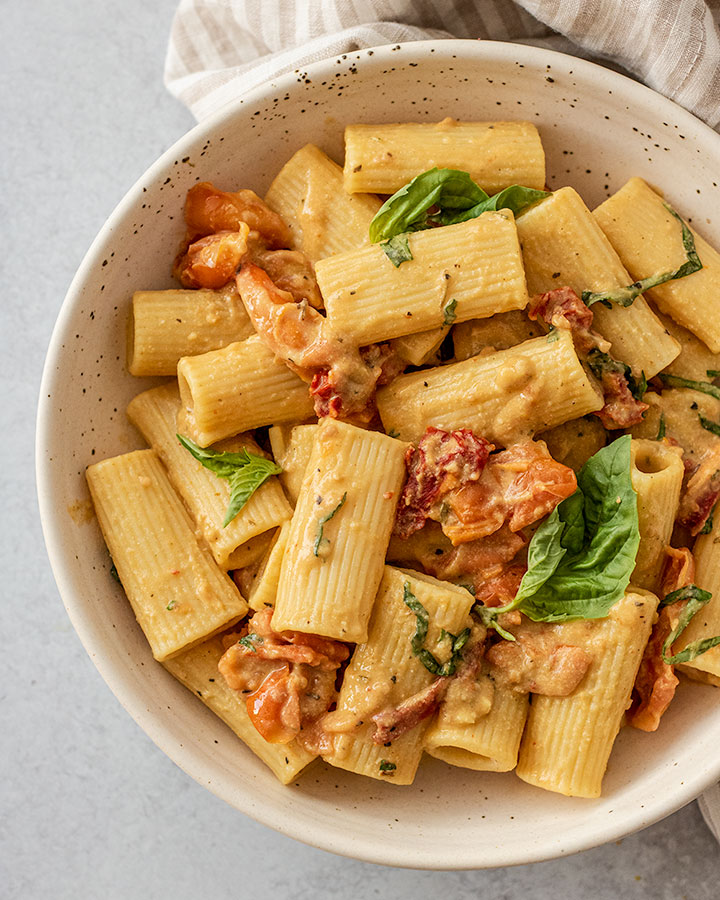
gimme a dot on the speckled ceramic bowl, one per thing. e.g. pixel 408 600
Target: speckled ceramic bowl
pixel 598 129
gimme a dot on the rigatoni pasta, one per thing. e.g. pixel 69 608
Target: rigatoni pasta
pixel 164 326
pixel 459 272
pixel 382 158
pixel 516 392
pixel 339 533
pixel 362 383
pixel 179 595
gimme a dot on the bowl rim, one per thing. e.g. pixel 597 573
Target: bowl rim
pixel 303 828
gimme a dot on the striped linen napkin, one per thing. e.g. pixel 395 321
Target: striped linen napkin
pixel 221 48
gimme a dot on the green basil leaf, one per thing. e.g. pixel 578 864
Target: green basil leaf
pixel 703 386
pixel 245 472
pixel 516 198
pixel 449 315
pixel 397 249
pixel 712 373
pixel 322 521
pixel 386 767
pixel 581 557
pixel 455 194
pixel 696 598
pixel 407 208
pixel 626 295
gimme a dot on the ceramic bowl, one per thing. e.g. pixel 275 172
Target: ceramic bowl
pixel 598 129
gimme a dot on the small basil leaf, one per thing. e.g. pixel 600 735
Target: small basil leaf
pixel 397 249
pixel 245 472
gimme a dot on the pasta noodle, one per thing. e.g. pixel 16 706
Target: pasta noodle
pixel 419 489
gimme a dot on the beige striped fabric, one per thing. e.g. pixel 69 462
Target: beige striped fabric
pixel 222 48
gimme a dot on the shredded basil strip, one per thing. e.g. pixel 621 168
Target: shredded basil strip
pixel 244 471
pixel 456 196
pixel 323 521
pixel 600 363
pixel 417 641
pixel 703 386
pixel 661 428
pixel 709 425
pixel 250 640
pixel 712 373
pixel 696 599
pixel 626 295
pixel 397 249
pixel 449 314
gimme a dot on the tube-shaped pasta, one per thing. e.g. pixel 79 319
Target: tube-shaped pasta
pixel 503 396
pixel 487 741
pixel 498 332
pixel 241 387
pixel 383 158
pixel 264 584
pixel 197 669
pixel 679 411
pixel 706 622
pixel 291 447
pixel 384 671
pixel 340 532
pixel 695 360
pixel 656 470
pixel 154 414
pixel 456 272
pixel 568 740
pixel 574 442
pixel 322 217
pixel 179 595
pixel 648 240
pixel 419 348
pixel 564 245
pixel 164 326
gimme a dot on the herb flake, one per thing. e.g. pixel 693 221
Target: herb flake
pixel 449 314
pixel 249 641
pixel 322 522
pixel 397 249
pixel 387 768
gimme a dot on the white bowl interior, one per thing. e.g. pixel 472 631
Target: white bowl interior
pixel 598 129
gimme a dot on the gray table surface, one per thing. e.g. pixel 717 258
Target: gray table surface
pixel 89 806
